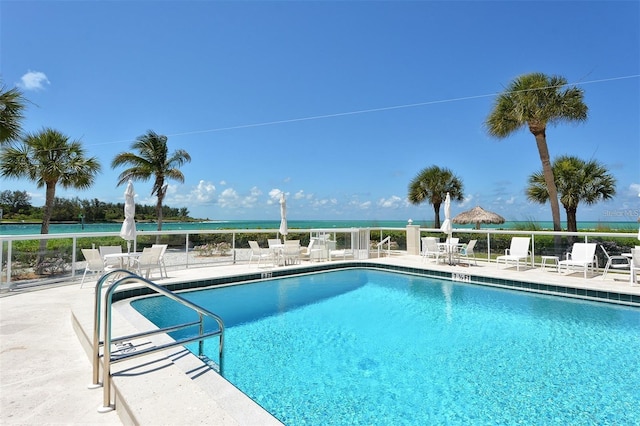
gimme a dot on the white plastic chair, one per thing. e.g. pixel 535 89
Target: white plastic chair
pixel 518 250
pixel 583 255
pixel 163 248
pixel 113 262
pixel 635 265
pixel 466 252
pixel 259 253
pixel 291 252
pixel 430 249
pixel 615 262
pixel 95 263
pixel 148 260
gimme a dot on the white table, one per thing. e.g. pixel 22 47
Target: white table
pixel 450 249
pixel 276 252
pixel 554 259
pixel 122 257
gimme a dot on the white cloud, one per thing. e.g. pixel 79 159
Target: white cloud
pixel 274 196
pixel 228 198
pixel 203 192
pixel 392 202
pixel 635 189
pixel 34 80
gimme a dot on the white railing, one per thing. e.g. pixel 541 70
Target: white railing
pixel 62 259
pixel 63 262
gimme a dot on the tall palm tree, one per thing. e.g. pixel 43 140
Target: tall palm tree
pixel 536 100
pixel 577 180
pixel 49 158
pixel 12 105
pixel 432 184
pixel 152 160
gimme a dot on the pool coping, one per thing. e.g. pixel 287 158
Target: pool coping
pixel 567 290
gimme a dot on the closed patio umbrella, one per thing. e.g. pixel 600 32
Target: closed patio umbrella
pixel 128 230
pixel 284 230
pixel 478 215
pixel 446 226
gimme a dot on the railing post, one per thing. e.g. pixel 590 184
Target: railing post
pixel 186 248
pixel 106 359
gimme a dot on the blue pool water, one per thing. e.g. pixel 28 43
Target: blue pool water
pixel 365 347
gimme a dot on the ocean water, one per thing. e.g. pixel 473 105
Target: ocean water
pixel 368 347
pixel 25 229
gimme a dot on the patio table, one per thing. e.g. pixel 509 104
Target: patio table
pixel 122 257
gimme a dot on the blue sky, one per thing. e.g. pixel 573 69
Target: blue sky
pixel 338 104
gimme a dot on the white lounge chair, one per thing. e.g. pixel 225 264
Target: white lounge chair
pixel 615 262
pixel 466 252
pixel 430 249
pixel 259 253
pixel 518 250
pixel 582 256
pixel 95 263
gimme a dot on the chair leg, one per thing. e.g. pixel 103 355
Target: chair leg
pixel 83 277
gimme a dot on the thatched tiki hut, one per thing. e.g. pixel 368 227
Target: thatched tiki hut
pixel 478 215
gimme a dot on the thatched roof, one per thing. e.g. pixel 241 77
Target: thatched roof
pixel 477 215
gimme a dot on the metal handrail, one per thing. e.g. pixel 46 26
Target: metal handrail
pixel 381 243
pixel 108 359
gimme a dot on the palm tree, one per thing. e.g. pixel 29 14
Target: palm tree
pixel 49 158
pixel 12 104
pixel 152 160
pixel 432 184
pixel 577 180
pixel 536 100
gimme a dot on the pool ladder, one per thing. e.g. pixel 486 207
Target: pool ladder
pixel 109 357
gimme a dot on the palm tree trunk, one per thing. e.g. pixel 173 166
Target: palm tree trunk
pixel 159 211
pixel 44 229
pixel 572 223
pixel 436 210
pixel 549 180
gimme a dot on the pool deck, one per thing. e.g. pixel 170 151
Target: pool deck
pixel 45 368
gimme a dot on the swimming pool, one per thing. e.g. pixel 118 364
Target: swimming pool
pixel 371 347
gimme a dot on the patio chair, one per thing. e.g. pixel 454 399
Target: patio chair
pixel 583 255
pixel 466 252
pixel 274 243
pixel 148 260
pixel 320 250
pixel 518 250
pixel 306 253
pixel 95 263
pixel 113 262
pixel 635 265
pixel 615 262
pixel 291 252
pixel 430 249
pixel 259 253
pixel 163 266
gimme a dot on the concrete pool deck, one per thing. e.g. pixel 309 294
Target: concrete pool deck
pixel 45 367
